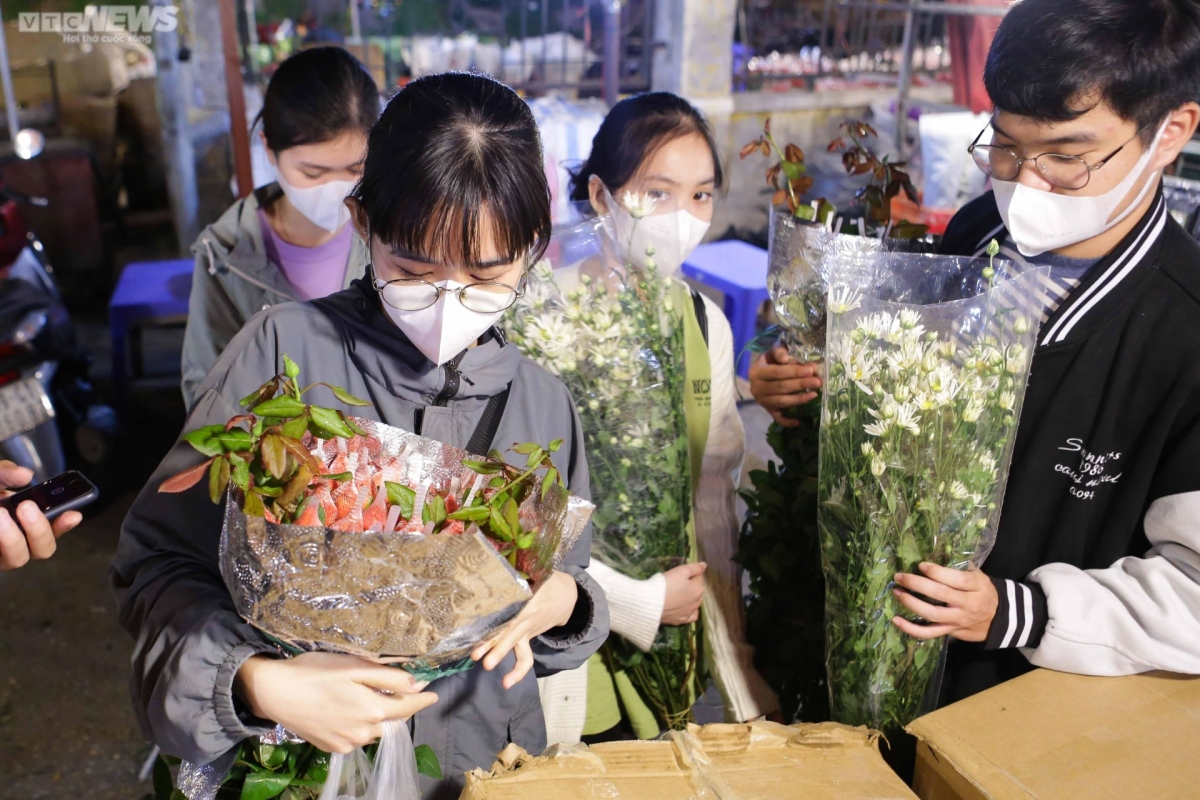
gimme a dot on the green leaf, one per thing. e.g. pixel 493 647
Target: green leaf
pixel 427 762
pixel 352 425
pixel 274 456
pixel 328 421
pixel 792 169
pixel 511 517
pixel 525 449
pixel 295 428
pixel 347 398
pixel 253 506
pixel 163 785
pixel 283 406
pixel 555 446
pixel 218 479
pixel 549 480
pixel 340 477
pixel 261 394
pixel 235 440
pixel 403 497
pixel 499 526
pixel 535 458
pixel 525 540
pixel 483 467
pixel 264 785
pixel 434 511
pixel 202 439
pixel 471 514
pixel 290 368
pixel 296 487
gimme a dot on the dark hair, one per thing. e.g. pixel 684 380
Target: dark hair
pixel 317 95
pixel 632 132
pixel 1054 60
pixel 447 148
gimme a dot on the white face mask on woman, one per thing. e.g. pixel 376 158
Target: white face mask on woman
pixel 446 328
pixel 1039 221
pixel 323 205
pixel 671 237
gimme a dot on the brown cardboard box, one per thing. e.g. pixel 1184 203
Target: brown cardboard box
pixel 717 762
pixel 1053 736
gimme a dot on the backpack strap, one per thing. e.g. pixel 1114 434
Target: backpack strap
pixel 489 423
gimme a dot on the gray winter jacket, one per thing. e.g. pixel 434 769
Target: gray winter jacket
pixel 234 280
pixel 190 641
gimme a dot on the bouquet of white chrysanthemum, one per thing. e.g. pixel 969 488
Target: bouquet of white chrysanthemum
pixel 927 360
pixel 611 327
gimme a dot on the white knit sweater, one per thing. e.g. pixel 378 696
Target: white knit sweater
pixel 635 607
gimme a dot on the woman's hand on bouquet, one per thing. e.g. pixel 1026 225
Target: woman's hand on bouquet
pixel 970 598
pixel 27 534
pixel 336 702
pixel 778 382
pixel 685 590
pixel 553 601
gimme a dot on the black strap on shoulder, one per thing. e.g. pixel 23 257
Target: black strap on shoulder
pixel 701 313
pixel 489 423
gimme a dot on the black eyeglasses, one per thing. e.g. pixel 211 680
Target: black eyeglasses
pixel 1064 172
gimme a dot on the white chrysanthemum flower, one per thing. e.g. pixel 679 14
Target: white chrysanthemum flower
pixel 1015 359
pixel 987 463
pixel 878 465
pixel 638 205
pixel 909 319
pixel 958 491
pixel 868 449
pixel 879 427
pixel 1008 400
pixel 925 401
pixel 843 300
pixel 973 410
pixel 907 418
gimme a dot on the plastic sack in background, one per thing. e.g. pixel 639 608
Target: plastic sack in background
pixel 926 368
pixel 950 177
pixel 392 776
pixel 610 326
pixel 378 583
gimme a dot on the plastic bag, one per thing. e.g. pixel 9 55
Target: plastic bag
pixel 392 776
pixel 926 368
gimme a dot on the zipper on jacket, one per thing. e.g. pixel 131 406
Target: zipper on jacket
pixel 452 378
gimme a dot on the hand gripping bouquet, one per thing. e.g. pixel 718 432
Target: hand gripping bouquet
pixel 927 361
pixel 613 329
pixel 351 536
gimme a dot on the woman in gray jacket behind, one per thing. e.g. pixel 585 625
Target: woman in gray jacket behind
pixel 289 240
pixel 455 205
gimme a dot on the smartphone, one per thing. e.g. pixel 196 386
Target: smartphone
pixel 62 493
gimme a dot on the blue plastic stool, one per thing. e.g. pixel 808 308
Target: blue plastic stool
pixel 148 293
pixel 739 271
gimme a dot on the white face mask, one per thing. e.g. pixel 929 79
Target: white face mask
pixel 321 204
pixel 446 328
pixel 1039 221
pixel 672 236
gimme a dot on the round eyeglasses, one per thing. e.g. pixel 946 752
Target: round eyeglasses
pixel 1063 172
pixel 416 294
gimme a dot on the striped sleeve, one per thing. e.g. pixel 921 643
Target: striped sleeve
pixel 1020 617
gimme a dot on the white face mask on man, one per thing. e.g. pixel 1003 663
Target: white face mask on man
pixel 1039 221
pixel 671 237
pixel 323 205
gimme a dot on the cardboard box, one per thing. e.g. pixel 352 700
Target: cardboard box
pixel 719 762
pixel 1053 736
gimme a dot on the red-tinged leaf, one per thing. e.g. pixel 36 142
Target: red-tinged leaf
pixel 302 455
pixel 793 153
pixel 767 125
pixel 274 456
pixel 750 148
pixel 867 130
pixel 218 479
pixel 792 204
pixel 779 196
pixel 848 161
pixel 837 144
pixel 261 394
pixel 186 479
pixel 295 488
pixel 861 169
pixel 910 191
pixel 773 175
pixel 766 148
pixel 238 420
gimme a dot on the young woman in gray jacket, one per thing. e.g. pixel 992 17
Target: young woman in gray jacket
pixel 455 206
pixel 289 240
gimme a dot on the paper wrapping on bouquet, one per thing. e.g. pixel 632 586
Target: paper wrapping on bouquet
pixel 800 259
pixel 926 368
pixel 395 595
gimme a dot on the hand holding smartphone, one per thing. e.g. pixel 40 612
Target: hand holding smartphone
pixel 62 493
pixel 26 536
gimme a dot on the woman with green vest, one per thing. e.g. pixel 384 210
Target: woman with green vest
pixel 657 150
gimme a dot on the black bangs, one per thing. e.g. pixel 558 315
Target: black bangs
pixel 456 159
pixel 1054 60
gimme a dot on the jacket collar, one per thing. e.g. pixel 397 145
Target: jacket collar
pixel 381 350
pixel 1107 284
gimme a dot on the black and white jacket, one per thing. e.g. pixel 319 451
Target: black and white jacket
pixel 1097 558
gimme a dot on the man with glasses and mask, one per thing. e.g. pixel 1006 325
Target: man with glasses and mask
pixel 1096 568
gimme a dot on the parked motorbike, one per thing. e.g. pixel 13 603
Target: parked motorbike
pixel 49 413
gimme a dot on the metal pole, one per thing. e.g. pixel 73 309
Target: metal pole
pixel 238 130
pixel 905 81
pixel 355 24
pixel 10 97
pixel 612 52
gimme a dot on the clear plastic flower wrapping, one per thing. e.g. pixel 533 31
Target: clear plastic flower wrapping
pixel 393 592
